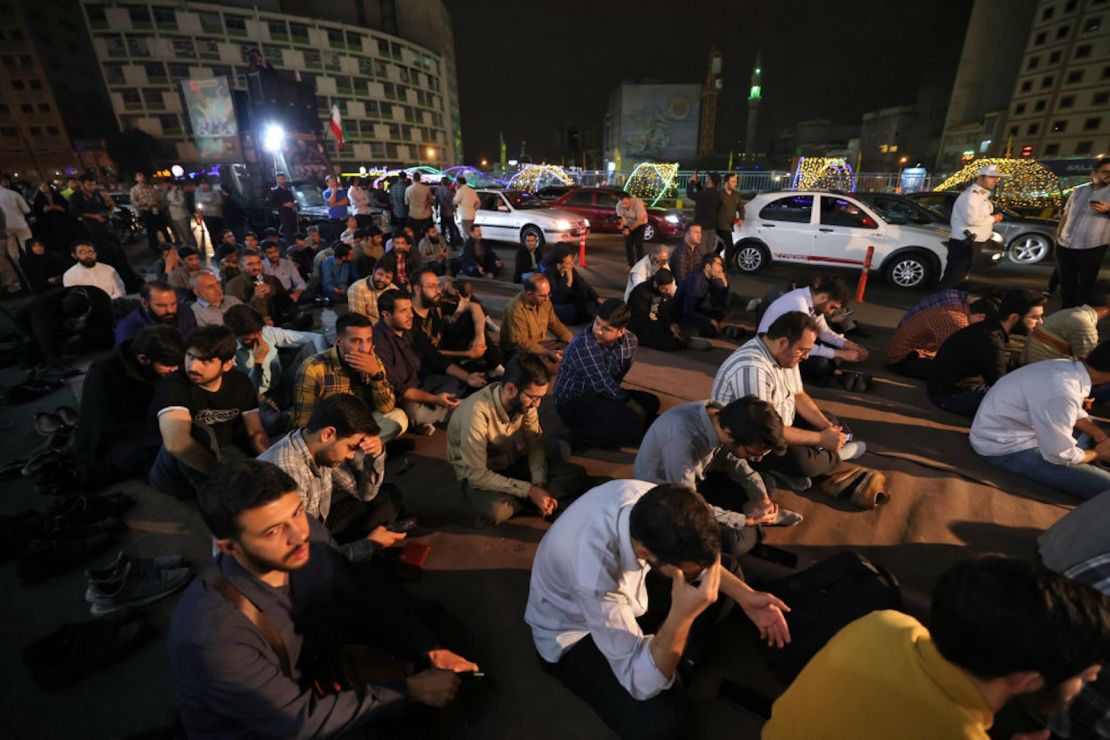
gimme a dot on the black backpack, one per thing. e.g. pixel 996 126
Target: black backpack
pixel 824 598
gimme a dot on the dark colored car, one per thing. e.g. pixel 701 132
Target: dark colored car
pixel 1028 240
pixel 600 206
pixel 554 192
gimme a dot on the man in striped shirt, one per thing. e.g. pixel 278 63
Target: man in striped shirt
pixel 767 367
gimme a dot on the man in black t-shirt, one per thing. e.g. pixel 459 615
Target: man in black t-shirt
pixel 206 414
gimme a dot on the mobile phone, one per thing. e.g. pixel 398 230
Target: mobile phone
pixel 847 437
pixel 775 555
pixel 402 525
pixel 471 676
pixel 744 698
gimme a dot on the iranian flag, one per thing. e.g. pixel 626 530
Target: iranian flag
pixel 336 125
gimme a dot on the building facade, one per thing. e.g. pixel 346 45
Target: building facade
pixel 1060 107
pixel 652 122
pixel 397 98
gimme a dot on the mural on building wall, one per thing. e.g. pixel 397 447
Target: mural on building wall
pixel 212 117
pixel 659 121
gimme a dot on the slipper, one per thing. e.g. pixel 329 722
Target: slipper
pixel 47 423
pixel 68 415
pixel 786 518
pixel 862 487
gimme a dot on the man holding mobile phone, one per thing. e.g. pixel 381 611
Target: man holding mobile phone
pixel 1083 235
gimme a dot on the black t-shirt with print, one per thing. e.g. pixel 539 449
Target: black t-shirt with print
pixel 222 410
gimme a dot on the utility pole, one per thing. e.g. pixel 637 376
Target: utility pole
pixel 707 123
pixel 755 95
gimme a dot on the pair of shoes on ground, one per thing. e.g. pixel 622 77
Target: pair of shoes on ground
pixel 76 650
pixel 129 582
pixel 73 531
pixel 851 380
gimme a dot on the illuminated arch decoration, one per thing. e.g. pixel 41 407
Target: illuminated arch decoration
pixel 1030 184
pixel 422 169
pixel 650 181
pixel 823 173
pixel 474 176
pixel 535 176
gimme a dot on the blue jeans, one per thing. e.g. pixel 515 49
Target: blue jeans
pixel 1085 481
pixel 964 403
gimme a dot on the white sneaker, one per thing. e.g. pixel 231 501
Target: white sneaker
pixel 852 450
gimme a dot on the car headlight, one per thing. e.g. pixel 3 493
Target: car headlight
pixel 586 222
pixel 562 225
pixel 996 237
pixel 671 218
pixel 996 256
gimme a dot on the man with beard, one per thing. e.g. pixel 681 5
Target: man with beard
pixel 351 366
pixel 284 202
pixel 457 329
pixel 206 415
pixel 88 271
pixel 999 630
pixel 338 462
pixel 190 265
pixel 113 440
pixel 573 298
pixel 157 305
pixel 90 206
pixel 974 358
pixel 495 445
pixel 264 293
pixel 303 601
pixel 363 296
pixel 211 304
pixel 427 383
pixel 285 270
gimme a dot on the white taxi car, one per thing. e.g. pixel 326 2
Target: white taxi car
pixel 833 229
pixel 510 215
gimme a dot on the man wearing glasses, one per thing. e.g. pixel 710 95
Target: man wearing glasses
pixel 528 318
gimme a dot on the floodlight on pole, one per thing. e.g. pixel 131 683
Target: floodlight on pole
pixel 273 136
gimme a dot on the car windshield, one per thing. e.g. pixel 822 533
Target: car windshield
pixel 520 199
pixel 309 195
pixel 897 210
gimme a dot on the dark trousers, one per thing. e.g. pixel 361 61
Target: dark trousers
pixel 658 335
pixel 575 313
pixel 913 366
pixel 961 252
pixel 725 236
pixel 634 245
pixel 156 223
pixel 1078 273
pixel 817 369
pixel 111 252
pixel 596 421
pixel 350 518
pixel 961 403
pixel 287 218
pixel 460 335
pixel 450 229
pixel 701 322
pixel 215 226
pixel 802 460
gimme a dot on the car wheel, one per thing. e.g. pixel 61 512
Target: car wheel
pixel 649 232
pixel 909 270
pixel 535 231
pixel 751 257
pixel 1029 249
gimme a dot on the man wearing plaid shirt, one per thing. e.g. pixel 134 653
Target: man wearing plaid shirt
pixel 588 393
pixel 351 366
pixel 915 342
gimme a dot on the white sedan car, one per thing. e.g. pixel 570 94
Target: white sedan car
pixel 835 230
pixel 510 215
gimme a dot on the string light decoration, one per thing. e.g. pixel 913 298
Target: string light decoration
pixel 650 181
pixel 532 177
pixel 474 176
pixel 1029 185
pixel 823 173
pixel 423 169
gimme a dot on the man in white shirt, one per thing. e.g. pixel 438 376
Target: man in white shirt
pixel 1028 422
pixel 419 199
pixel 13 212
pixel 973 219
pixel 652 262
pixel 1083 235
pixel 590 587
pixel 821 299
pixel 467 202
pixel 88 271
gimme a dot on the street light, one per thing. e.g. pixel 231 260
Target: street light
pixel 273 136
pixel 485 163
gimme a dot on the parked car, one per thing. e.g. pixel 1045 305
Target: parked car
pixel 600 206
pixel 835 230
pixel 1028 240
pixel 554 192
pixel 510 215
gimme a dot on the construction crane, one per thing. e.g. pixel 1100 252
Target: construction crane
pixel 707 122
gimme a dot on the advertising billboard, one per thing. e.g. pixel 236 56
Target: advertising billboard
pixel 212 117
pixel 658 122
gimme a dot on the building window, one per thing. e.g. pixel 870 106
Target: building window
pixel 343 84
pixel 223 70
pixel 1034 62
pixel 1059 126
pixel 354 41
pixel 155 72
pixel 45 108
pixel 1083 147
pixel 236 25
pixel 114 45
pixel 165 18
pixel 298 32
pixel 1092 25
pixel 183 47
pixel 36 131
pixel 27 108
pixel 97 17
pixel 25 60
pixel 1052 149
pixel 1039 106
pixel 208 49
pixel 1054 57
pixel 1027 86
pixel 153 98
pixel 210 22
pixel 52 130
pixel 1048 13
pixel 170 123
pixel 331 60
pixel 1067 101
pixel 1033 128
pixel 312 59
pixel 335 39
pixel 8 59
pixel 1076 75
pixel 4 109
pixel 140 16
pixel 273 55
pixel 1062 32
pixel 11 131
pixel 1046 81
pixel 1039 38
pixel 35 84
pixel 137 46
pixel 1082 52
pixel 1069 6
pixel 371 107
pixel 366 66
pixel 1092 124
pixel 278 30
pixel 1101 98
pixel 113 73
pixel 1105 73
pixel 131 100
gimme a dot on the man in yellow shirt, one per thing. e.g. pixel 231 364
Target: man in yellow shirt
pixel 1001 630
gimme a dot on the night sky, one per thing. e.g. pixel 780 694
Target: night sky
pixel 526 67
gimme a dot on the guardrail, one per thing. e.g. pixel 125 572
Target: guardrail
pixel 766 180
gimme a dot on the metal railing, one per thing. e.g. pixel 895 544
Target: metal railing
pixel 766 180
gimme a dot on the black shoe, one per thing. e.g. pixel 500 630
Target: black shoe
pixel 76 650
pixel 92 507
pixel 60 528
pixel 47 558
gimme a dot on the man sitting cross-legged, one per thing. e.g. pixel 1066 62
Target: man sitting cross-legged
pixel 706 446
pixel 206 414
pixel 528 318
pixel 766 367
pixel 280 611
pixel 588 392
pixel 911 350
pixel 1029 421
pixel 158 304
pixel 495 445
pixel 338 462
pixel 456 326
pixel 702 297
pixel 363 296
pixel 622 593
